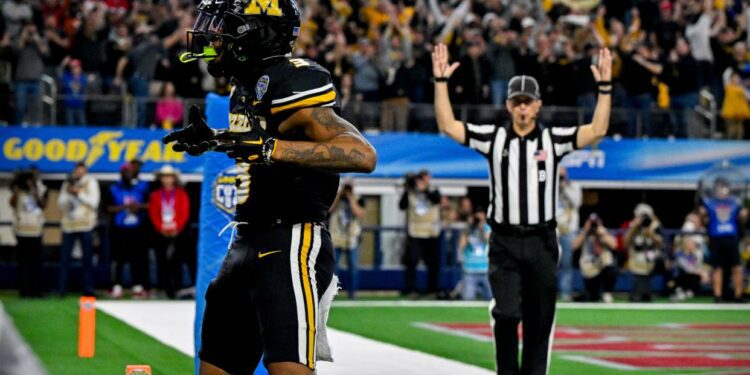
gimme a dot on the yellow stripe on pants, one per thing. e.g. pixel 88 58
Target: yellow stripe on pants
pixel 306 240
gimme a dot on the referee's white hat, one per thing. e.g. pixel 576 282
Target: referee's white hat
pixel 523 85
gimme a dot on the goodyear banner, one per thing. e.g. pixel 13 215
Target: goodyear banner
pixel 104 150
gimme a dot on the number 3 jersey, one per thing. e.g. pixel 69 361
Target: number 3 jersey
pixel 281 193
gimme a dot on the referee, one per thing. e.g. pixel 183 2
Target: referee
pixel 523 160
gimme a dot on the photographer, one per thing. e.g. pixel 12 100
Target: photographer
pixel 597 261
pixel 345 226
pixel 473 253
pixel 422 205
pixel 644 243
pixel 31 49
pixel 79 204
pixel 28 199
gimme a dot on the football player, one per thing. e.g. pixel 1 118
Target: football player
pixel 289 144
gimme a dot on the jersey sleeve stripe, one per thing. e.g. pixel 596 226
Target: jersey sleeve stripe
pixel 302 94
pixel 311 101
pixel 481 129
pixel 563 131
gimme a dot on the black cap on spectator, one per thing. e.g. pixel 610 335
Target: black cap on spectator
pixel 523 85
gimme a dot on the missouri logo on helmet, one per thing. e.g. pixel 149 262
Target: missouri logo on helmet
pixel 249 30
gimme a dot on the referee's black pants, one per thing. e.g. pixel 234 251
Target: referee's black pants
pixel 523 277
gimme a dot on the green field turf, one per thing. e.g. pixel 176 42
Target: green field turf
pixel 395 325
pixel 51 328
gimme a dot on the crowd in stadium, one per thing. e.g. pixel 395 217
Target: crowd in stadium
pixel 666 52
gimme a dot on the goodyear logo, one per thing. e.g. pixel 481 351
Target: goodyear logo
pixel 104 145
pixel 224 190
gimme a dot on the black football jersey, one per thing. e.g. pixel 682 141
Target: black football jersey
pixel 280 192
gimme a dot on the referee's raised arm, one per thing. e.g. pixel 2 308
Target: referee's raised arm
pixel 597 129
pixel 442 71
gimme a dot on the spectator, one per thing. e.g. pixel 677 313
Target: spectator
pixel 6 79
pixel 698 33
pixel 142 59
pixel 79 203
pixel 473 254
pixel 169 109
pixel 88 43
pixel 725 215
pixel 118 44
pixel 31 49
pixel 473 76
pixel 74 86
pixel 644 243
pixel 396 60
pixel 638 71
pixel 689 268
pixel 568 222
pixel 366 76
pixel 16 13
pixel 347 212
pixel 596 261
pixel 681 74
pixel 28 199
pixel 169 210
pixel 501 53
pixel 422 205
pixel 127 204
pixel 58 44
pixel 735 110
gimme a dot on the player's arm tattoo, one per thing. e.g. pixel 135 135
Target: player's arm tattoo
pixel 324 156
pixel 336 145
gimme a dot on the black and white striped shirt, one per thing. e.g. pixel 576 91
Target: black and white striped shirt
pixel 523 170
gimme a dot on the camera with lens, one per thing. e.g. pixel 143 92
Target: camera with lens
pixel 23 180
pixel 593 221
pixel 646 221
pixel 410 181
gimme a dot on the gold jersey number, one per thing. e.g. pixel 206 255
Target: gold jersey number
pixel 267 7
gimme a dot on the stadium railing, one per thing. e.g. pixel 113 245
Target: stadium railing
pixel 124 110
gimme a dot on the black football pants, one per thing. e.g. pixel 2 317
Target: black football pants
pixel 523 277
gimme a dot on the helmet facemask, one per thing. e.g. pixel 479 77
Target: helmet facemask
pixel 245 39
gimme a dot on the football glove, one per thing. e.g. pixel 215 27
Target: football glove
pixel 252 147
pixel 196 138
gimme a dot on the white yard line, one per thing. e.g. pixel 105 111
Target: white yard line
pixel 172 324
pixel 562 305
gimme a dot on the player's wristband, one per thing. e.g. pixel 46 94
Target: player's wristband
pixel 269 146
pixel 605 92
pixel 440 79
pixel 604 83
